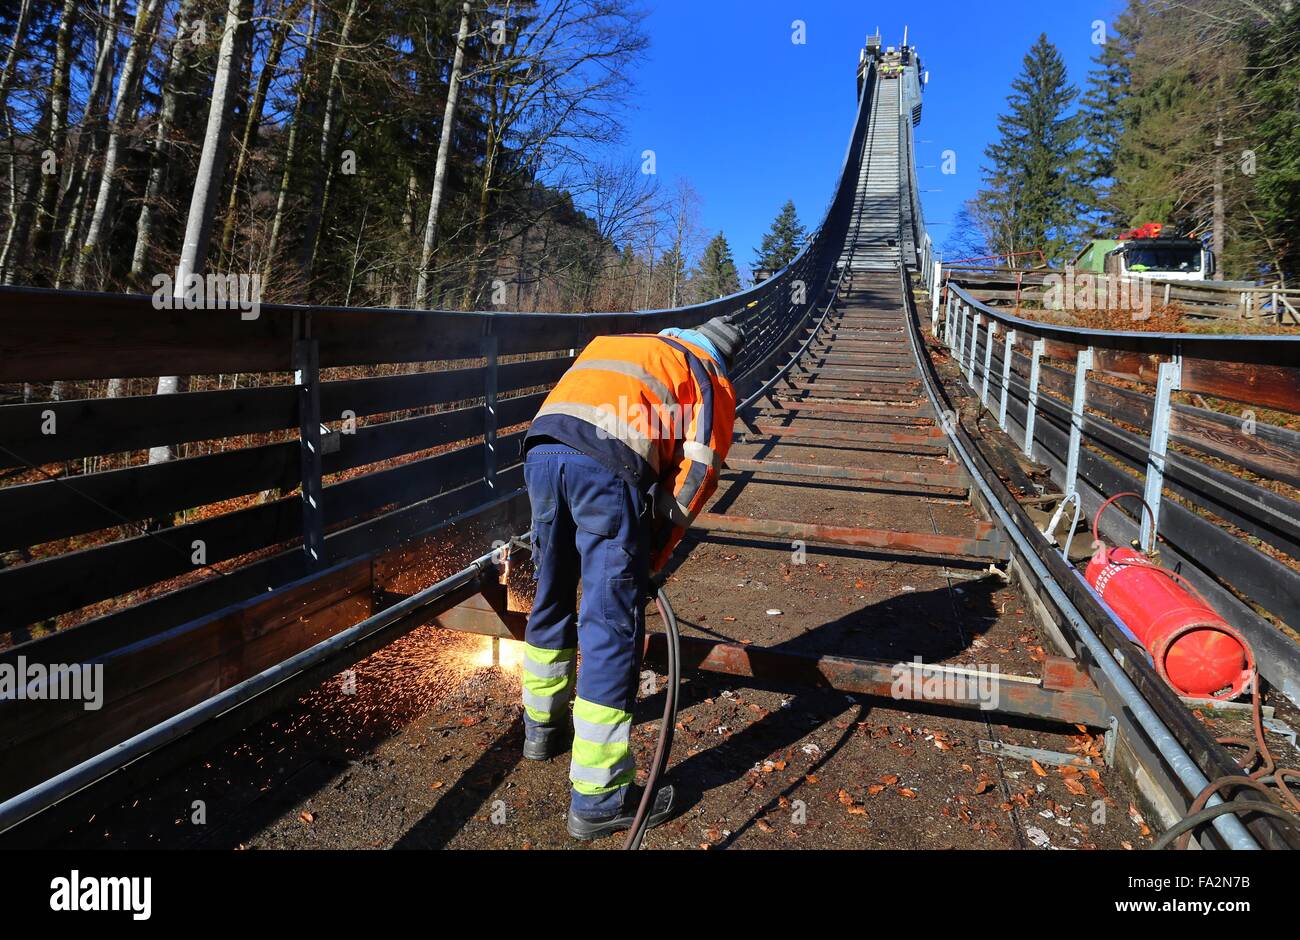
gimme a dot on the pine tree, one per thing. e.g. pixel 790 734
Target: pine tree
pixel 1104 114
pixel 1035 190
pixel 782 242
pixel 1185 122
pixel 715 276
pixel 1274 69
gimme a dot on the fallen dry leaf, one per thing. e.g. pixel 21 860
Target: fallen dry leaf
pixel 908 792
pixel 1138 820
pixel 307 817
pixel 1038 768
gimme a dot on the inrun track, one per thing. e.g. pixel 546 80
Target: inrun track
pixel 881 648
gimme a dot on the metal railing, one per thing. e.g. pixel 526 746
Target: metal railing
pixel 1200 424
pixel 1071 399
pixel 1198 300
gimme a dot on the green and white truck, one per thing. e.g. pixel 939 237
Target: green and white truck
pixel 1145 253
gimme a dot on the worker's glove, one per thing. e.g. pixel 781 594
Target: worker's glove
pixel 661 532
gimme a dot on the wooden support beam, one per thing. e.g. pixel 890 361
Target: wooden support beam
pixel 947 481
pixel 920 543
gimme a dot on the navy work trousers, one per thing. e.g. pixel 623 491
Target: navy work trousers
pixel 592 528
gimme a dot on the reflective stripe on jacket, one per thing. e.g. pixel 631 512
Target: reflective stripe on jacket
pixel 653 409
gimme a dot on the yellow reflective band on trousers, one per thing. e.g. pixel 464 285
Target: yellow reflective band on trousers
pixel 547 680
pixel 602 754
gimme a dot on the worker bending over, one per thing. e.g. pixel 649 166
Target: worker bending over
pixel 620 459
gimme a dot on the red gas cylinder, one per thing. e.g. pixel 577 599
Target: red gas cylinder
pixel 1194 649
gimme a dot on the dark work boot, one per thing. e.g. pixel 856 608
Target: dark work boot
pixel 545 743
pixel 589 829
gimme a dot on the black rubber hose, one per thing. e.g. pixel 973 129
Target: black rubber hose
pixel 1189 823
pixel 665 745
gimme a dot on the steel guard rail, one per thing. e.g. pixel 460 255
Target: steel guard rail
pixel 1080 427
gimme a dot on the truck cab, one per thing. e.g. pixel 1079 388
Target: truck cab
pixel 1146 253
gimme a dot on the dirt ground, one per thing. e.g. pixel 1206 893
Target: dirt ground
pixel 419 746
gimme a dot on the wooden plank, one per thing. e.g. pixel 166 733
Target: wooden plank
pixel 91 427
pixel 1269 451
pixel 923 543
pixel 1256 511
pixel 903 377
pixel 925 443
pixel 1136 367
pixel 47 335
pixel 42 589
pixel 768 467
pixel 1223 437
pixel 53 509
pixel 227 641
pixel 413 481
pixel 68 582
pixel 1263 386
pixel 857 391
pixel 88 427
pixel 150 617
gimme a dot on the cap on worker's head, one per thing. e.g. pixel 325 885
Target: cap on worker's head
pixel 726 335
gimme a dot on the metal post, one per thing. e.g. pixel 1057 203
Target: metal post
pixel 961 334
pixel 1168 380
pixel 1007 352
pixel 1083 364
pixel 1032 412
pixel 934 296
pixel 490 411
pixel 306 364
pixel 974 345
pixel 988 360
pixel 948 321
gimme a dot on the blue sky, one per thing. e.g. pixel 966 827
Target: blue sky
pixel 751 119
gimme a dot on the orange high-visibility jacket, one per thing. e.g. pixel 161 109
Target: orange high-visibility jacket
pixel 653 409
